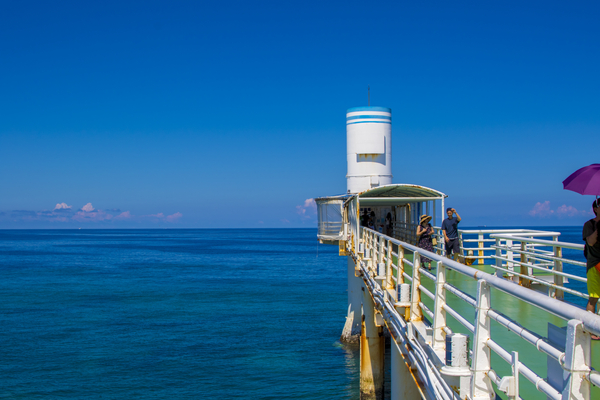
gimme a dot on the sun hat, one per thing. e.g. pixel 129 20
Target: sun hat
pixel 425 218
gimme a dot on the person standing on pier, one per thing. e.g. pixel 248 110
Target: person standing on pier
pixel 450 229
pixel 592 254
pixel 424 237
pixel 388 224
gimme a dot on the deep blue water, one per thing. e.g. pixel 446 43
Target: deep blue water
pixel 252 314
pixel 165 314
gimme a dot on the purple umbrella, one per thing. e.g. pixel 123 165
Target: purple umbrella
pixel 585 180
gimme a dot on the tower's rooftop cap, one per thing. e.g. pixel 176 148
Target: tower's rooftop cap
pixel 369 108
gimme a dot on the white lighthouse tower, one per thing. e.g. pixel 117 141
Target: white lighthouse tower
pixel 368 148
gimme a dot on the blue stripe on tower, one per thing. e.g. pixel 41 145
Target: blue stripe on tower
pixel 370 108
pixel 387 117
pixel 368 122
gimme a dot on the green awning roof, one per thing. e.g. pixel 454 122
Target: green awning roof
pixel 398 194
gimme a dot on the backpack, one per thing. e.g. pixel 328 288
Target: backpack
pixel 585 248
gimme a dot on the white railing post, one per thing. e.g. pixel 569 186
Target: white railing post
pixel 461 248
pixel 481 384
pixel 368 251
pixel 388 266
pixel 381 249
pixel 416 314
pixel 375 255
pixel 480 245
pixel 400 277
pixel 439 314
pixel 513 389
pixel 577 362
pixel 509 255
pixel 558 279
pixel 524 270
pixel 498 259
pixel 364 240
pixel 510 384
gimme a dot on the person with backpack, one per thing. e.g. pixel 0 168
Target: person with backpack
pixel 592 254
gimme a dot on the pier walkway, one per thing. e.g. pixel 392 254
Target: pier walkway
pixel 509 325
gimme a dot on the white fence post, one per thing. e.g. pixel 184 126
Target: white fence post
pixel 481 384
pixel 515 371
pixel 461 247
pixel 558 279
pixel 368 250
pixel 509 255
pixel 480 245
pixel 388 266
pixel 374 255
pixel 524 270
pixel 439 314
pixel 400 277
pixel 498 259
pixel 577 362
pixel 381 249
pixel 416 314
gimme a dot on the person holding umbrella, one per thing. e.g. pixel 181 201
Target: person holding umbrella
pixel 586 181
pixel 592 254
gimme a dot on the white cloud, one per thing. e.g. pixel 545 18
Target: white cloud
pixel 64 213
pixel 88 207
pixel 568 211
pixel 174 217
pixel 124 215
pixel 169 218
pixel 91 216
pixel 307 209
pixel 62 206
pixel 543 210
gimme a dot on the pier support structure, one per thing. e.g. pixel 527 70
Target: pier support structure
pixel 372 352
pixel 404 386
pixel 351 332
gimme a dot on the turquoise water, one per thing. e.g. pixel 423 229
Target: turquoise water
pixel 252 314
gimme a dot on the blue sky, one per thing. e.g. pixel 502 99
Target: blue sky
pixel 232 114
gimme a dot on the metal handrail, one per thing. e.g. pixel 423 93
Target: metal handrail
pixel 553 243
pixel 560 309
pixel 375 242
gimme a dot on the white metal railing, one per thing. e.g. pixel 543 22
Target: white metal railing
pixel 385 263
pixel 537 260
pixel 529 257
pixel 331 230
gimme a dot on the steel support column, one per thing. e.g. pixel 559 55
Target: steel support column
pixel 351 332
pixel 372 351
pixel 481 384
pixel 403 382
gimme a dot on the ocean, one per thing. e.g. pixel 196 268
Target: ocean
pixel 162 314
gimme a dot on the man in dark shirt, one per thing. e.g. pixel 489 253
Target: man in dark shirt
pixel 450 229
pixel 592 251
